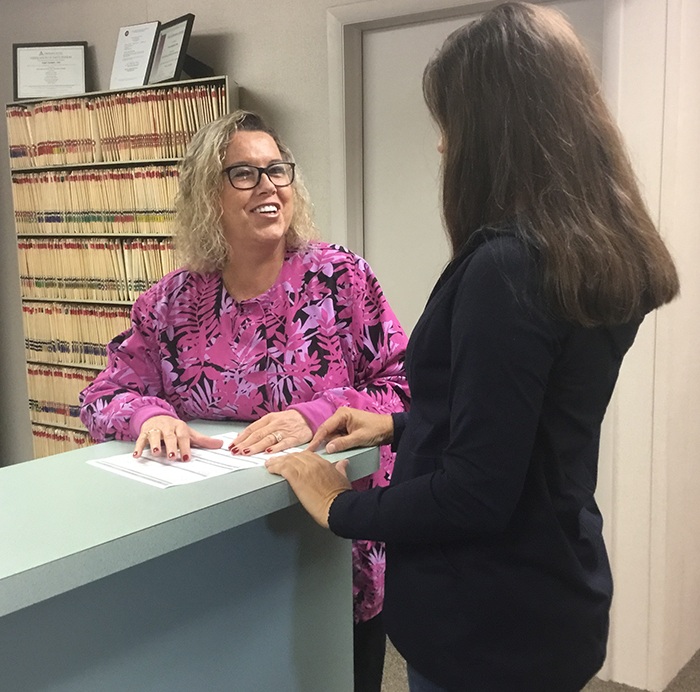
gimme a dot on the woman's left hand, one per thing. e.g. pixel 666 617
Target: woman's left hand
pixel 314 480
pixel 274 432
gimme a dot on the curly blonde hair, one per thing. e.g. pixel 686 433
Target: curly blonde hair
pixel 198 233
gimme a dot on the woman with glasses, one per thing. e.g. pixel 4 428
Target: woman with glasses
pixel 497 575
pixel 264 323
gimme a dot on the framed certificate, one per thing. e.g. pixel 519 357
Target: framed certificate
pixel 171 49
pixel 45 70
pixel 132 58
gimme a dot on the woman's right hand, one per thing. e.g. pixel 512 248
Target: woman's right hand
pixel 350 427
pixel 172 438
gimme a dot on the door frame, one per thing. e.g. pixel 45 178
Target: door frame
pixel 345 26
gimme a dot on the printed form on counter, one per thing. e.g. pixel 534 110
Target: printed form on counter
pixel 204 463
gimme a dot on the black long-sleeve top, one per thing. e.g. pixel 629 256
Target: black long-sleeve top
pixel 497 575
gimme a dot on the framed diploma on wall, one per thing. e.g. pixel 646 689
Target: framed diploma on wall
pixel 171 49
pixel 133 55
pixel 45 70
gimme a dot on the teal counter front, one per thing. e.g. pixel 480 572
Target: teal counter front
pixel 226 584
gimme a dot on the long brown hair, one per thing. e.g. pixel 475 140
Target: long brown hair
pixel 529 141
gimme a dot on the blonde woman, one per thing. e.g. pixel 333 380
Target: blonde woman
pixel 264 324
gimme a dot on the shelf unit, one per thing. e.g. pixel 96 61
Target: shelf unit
pixel 93 183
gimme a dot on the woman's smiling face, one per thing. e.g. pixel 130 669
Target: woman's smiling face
pixel 260 215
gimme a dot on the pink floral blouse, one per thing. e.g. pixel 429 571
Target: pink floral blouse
pixel 323 336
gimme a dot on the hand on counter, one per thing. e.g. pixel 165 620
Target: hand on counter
pixel 274 432
pixel 350 427
pixel 314 480
pixel 171 438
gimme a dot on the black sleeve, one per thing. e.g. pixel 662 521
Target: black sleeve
pixel 400 420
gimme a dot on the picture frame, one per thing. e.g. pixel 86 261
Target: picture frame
pixel 171 49
pixel 133 55
pixel 47 70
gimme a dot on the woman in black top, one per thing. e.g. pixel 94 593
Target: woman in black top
pixel 497 575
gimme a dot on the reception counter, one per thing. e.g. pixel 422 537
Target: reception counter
pixel 224 584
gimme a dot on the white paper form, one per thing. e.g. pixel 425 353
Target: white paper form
pixel 204 463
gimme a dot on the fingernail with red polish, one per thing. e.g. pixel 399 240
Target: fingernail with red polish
pixel 268 450
pixel 246 451
pixel 135 454
pixel 156 450
pixel 171 455
pixel 185 457
pixel 235 450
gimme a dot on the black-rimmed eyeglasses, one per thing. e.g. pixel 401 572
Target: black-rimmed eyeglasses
pixel 245 177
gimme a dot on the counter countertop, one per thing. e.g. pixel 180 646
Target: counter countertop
pixel 64 522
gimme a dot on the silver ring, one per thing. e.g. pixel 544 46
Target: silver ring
pixel 153 431
pixel 278 436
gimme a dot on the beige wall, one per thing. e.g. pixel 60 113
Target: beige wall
pixel 675 525
pixel 277 52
